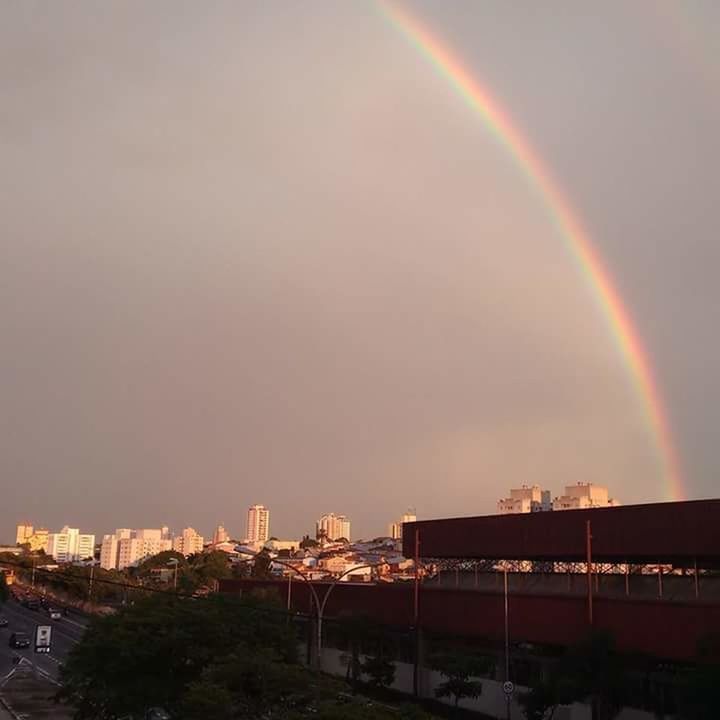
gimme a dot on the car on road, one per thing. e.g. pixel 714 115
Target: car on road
pixel 53 613
pixel 157 714
pixel 3 621
pixel 31 603
pixel 19 640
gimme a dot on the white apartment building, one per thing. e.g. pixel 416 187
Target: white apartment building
pixel 24 533
pixel 333 527
pixel 69 545
pixel 582 496
pixel 109 552
pixel 128 548
pixel 258 524
pixel 525 499
pixel 396 528
pixel 86 547
pixel 189 543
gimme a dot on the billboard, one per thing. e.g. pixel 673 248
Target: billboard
pixel 43 634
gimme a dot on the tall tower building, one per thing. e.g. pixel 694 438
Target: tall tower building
pixel 220 535
pixel 189 543
pixel 333 527
pixel 24 533
pixel 258 524
pixel 396 528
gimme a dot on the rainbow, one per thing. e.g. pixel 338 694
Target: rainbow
pixel 577 241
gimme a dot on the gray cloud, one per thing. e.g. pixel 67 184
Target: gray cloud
pixel 267 255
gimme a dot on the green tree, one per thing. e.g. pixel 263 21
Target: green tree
pixel 539 703
pixel 353 631
pixel 211 566
pixel 697 687
pixel 151 652
pixel 594 672
pixel 261 566
pixel 3 588
pixel 458 670
pixel 205 699
pixel 380 671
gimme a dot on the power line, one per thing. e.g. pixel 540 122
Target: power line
pixel 141 588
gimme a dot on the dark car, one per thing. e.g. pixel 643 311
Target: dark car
pixel 19 640
pixel 3 621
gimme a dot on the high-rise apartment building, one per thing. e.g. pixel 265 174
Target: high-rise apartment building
pixel 258 524
pixel 24 533
pixel 109 552
pixel 396 528
pixel 189 543
pixel 128 548
pixel 39 540
pixel 584 495
pixel 220 535
pixel 525 499
pixel 333 527
pixel 69 545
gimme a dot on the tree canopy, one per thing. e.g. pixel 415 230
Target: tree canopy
pixel 217 658
pixel 459 669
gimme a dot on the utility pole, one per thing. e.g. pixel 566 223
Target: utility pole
pixel 416 617
pixel 90 584
pixel 33 573
pixel 416 608
pixel 507 642
pixel 588 559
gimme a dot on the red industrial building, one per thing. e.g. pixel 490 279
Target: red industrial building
pixel 653 581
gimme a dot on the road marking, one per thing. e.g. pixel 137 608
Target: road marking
pixel 30 617
pixel 73 622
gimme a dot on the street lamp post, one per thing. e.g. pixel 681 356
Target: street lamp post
pixel 319 605
pixel 174 561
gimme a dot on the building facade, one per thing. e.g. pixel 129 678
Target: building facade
pixel 109 552
pixel 23 534
pixel 69 545
pixel 525 499
pixel 583 496
pixel 395 529
pixel 333 527
pixel 220 535
pixel 188 543
pixel 38 541
pixel 258 524
pixel 128 548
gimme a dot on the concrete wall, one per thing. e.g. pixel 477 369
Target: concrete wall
pixel 490 702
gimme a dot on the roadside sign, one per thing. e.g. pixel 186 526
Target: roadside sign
pixel 43 633
pixel 508 688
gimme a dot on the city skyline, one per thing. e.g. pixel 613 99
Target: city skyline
pixel 233 269
pixel 522 499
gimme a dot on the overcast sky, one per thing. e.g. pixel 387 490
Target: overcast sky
pixel 264 253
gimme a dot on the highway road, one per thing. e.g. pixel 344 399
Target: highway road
pixel 65 634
